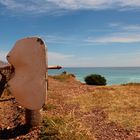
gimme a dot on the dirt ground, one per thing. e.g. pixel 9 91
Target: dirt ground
pixel 12 120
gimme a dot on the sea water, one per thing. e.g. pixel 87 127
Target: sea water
pixel 113 75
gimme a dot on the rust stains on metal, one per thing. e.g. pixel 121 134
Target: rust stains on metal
pixel 40 41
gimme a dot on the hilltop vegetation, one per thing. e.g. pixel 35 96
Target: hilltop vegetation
pixel 76 111
pixel 95 79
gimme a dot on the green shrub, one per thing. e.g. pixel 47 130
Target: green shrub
pixel 95 79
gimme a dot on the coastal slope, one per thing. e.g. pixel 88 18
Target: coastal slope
pixel 76 111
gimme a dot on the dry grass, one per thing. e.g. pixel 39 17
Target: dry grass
pixel 121 103
pixel 64 77
pixel 80 112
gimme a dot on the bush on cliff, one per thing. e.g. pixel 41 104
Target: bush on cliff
pixel 95 79
pixel 64 76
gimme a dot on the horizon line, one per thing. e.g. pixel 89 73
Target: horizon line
pixel 101 67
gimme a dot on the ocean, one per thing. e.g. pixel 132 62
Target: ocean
pixel 113 75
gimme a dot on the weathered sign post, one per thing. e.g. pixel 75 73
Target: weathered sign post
pixel 29 70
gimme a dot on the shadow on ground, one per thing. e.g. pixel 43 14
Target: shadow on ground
pixel 14 132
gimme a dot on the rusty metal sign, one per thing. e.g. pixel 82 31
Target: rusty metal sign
pixel 28 84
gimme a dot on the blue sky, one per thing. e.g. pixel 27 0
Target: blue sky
pixel 78 33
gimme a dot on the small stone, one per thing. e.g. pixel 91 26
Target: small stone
pixel 8 127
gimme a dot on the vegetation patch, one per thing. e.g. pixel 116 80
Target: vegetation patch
pixel 63 77
pixel 49 106
pixel 66 128
pixel 95 79
pixel 86 112
pixel 121 105
pixel 131 84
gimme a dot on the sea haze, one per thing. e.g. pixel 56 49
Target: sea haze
pixel 113 75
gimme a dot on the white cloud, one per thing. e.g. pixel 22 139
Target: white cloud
pixel 67 60
pixel 3 55
pixel 55 58
pixel 29 6
pixel 57 39
pixel 130 3
pixel 116 39
pixel 125 27
pixel 113 59
pixel 60 6
pixel 115 24
pixel 121 33
pixel 58 56
pixel 135 28
pixel 124 59
pixel 82 4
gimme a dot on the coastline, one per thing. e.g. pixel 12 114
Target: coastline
pixel 113 75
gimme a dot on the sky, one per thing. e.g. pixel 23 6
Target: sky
pixel 77 33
